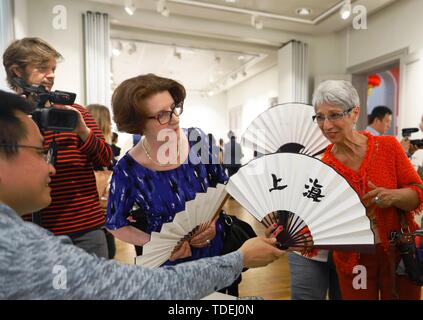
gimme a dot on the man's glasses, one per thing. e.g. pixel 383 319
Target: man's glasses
pixel 47 154
pixel 320 118
pixel 164 116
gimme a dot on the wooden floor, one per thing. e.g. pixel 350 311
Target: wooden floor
pixel 270 282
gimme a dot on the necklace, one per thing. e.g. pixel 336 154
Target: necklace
pixel 151 158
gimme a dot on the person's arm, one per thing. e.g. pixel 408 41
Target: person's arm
pixel 93 143
pixel 56 270
pixel 49 267
pixel 120 202
pixel 405 199
pixel 409 197
pixel 131 235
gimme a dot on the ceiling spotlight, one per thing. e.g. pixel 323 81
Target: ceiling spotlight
pixel 241 58
pixel 345 11
pixel 162 8
pixel 256 22
pixel 303 11
pixel 210 93
pixel 234 76
pixel 130 7
pixel 244 73
pixel 165 12
pixel 217 59
pixel 132 48
pixel 231 1
pixel 185 50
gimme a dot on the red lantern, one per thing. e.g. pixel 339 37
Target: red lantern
pixel 373 81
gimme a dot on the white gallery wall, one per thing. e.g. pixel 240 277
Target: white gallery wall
pixel 326 57
pixel 69 42
pixel 395 28
pixel 206 113
pixel 253 96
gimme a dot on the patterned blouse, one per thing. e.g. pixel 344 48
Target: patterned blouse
pixel 162 194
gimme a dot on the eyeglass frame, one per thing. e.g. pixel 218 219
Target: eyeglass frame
pixel 342 115
pixel 172 111
pixel 47 153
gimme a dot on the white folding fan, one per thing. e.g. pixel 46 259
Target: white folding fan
pixel 316 206
pixel 196 217
pixel 285 128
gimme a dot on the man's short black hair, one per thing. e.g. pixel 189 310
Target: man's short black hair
pixel 12 129
pixel 379 112
pixel 231 135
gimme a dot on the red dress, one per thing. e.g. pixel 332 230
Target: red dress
pixel 385 165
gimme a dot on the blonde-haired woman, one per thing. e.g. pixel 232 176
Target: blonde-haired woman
pixel 101 115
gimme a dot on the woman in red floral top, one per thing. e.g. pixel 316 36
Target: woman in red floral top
pixel 380 172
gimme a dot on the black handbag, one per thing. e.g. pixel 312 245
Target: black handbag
pixel 235 233
pixel 410 246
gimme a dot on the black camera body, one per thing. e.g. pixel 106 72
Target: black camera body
pixel 407 132
pixel 52 118
pixel 418 143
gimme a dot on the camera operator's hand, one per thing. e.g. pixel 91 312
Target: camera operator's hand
pixel 405 143
pixel 81 128
pixel 413 148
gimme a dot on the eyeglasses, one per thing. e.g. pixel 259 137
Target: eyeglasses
pixel 164 116
pixel 320 118
pixel 47 154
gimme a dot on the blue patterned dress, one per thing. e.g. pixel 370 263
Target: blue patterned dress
pixel 162 194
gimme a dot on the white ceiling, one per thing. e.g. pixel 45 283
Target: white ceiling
pixel 323 19
pixel 203 71
pixel 209 28
pixel 281 7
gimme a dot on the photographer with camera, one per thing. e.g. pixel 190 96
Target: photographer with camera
pixel 411 146
pixel 76 142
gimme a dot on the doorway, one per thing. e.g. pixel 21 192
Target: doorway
pixel 378 87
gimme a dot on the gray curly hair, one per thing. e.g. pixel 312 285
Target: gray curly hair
pixel 338 93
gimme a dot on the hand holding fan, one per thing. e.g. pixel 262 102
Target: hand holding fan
pixel 196 217
pixel 315 205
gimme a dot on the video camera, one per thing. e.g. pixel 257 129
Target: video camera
pixel 54 119
pixel 407 132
